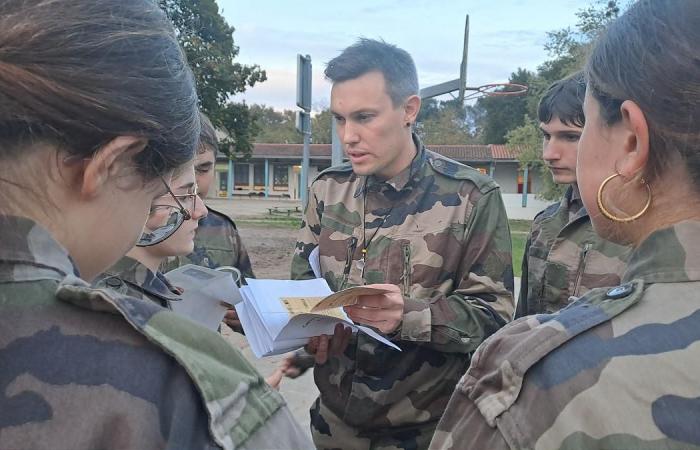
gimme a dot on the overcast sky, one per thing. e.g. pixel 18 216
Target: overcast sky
pixel 504 35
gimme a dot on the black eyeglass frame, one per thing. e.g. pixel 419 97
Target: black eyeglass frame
pixel 185 215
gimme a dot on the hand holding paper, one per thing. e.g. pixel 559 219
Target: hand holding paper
pixel 383 310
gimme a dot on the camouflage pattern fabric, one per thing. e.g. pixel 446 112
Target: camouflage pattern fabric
pixel 131 278
pixel 617 369
pixel 564 258
pixel 216 243
pixel 85 368
pixel 439 231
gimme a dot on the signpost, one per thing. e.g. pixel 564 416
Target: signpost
pixel 303 119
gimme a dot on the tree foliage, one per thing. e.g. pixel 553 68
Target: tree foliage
pixel 208 43
pixel 276 127
pixel 446 123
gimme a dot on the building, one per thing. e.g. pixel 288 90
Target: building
pixel 274 170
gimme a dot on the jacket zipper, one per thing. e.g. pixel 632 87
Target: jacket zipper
pixel 348 261
pixel 406 278
pixel 581 267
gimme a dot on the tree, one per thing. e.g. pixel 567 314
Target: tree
pixel 568 47
pixel 321 127
pixel 446 123
pixel 275 127
pixel 502 114
pixel 208 43
pixel 529 138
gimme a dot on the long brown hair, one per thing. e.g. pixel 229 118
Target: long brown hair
pixel 77 73
pixel 651 55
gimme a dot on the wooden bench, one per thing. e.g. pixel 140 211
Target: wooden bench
pixel 287 211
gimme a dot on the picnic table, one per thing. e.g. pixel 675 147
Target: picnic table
pixel 279 210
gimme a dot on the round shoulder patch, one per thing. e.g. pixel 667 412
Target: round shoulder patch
pixel 620 291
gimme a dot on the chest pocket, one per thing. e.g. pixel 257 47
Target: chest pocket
pixel 338 247
pixel 424 260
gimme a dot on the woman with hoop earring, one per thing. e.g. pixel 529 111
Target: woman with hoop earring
pixel 618 367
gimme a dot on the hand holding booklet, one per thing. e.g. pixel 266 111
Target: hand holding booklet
pixel 281 315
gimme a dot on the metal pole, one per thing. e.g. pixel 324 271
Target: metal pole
pixel 525 174
pixel 229 179
pixel 305 163
pixel 267 177
pixel 336 145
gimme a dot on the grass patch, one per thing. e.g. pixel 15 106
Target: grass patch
pixel 279 222
pixel 518 250
pixel 519 229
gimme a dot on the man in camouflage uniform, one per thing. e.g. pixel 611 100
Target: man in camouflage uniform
pixel 431 231
pixel 67 350
pixel 564 258
pixel 615 370
pixel 217 241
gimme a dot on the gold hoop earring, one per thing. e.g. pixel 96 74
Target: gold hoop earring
pixel 613 217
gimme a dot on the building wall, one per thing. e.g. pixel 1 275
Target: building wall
pixel 284 176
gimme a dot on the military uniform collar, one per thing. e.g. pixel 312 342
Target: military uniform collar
pixel 137 275
pixel 668 255
pixel 23 242
pixel 401 180
pixel 572 203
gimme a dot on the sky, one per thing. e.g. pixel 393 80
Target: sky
pixel 504 35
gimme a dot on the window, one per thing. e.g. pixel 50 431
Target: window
pixel 241 174
pixel 223 181
pixel 259 175
pixel 280 177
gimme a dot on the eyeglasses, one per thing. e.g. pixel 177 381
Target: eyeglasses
pixel 171 217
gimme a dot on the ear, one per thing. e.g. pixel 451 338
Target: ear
pixel 635 140
pixel 411 107
pixel 107 163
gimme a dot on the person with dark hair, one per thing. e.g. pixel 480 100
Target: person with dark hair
pixel 217 242
pixel 98 108
pixel 564 258
pixel 616 369
pixel 430 231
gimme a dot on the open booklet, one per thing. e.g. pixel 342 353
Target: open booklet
pixel 281 315
pixel 206 293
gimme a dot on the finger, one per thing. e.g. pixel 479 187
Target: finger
pixel 345 338
pixel 384 286
pixel 312 345
pixel 336 344
pixel 322 350
pixel 275 379
pixel 292 372
pixel 371 301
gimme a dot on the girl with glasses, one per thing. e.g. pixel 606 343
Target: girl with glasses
pixel 97 108
pixel 169 231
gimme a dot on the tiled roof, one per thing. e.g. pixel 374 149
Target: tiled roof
pixel 471 153
pixel 505 152
pixel 464 153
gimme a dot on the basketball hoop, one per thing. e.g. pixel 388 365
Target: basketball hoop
pixel 495 90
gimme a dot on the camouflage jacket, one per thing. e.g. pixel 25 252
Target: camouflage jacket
pixel 86 368
pixel 439 231
pixel 130 277
pixel 564 258
pixel 216 243
pixel 617 369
